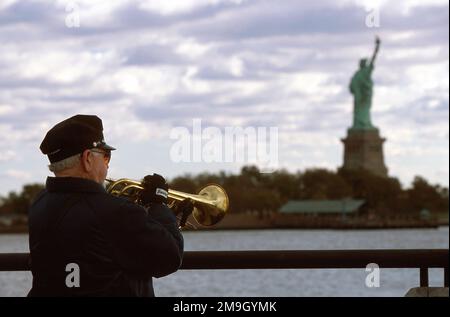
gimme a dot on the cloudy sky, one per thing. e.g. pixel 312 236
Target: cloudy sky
pixel 146 67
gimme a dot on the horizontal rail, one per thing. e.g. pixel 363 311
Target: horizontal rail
pixel 286 259
pixel 290 259
pixel 315 259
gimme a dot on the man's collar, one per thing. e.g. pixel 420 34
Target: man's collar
pixel 73 184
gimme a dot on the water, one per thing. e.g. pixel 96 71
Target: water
pixel 332 282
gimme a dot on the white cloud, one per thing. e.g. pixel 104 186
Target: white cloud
pixel 7 155
pixel 148 83
pixel 180 6
pixel 146 66
pixel 192 48
pixel 6 3
pixel 17 174
pixel 6 109
pixel 172 7
pixel 236 66
pixel 192 84
pixel 315 85
pixel 428 77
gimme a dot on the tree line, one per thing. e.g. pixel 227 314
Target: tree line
pixel 251 190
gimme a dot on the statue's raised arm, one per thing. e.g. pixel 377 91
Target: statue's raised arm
pixel 377 46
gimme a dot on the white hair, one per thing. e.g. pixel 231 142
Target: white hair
pixel 64 164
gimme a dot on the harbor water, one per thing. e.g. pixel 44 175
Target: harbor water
pixel 275 283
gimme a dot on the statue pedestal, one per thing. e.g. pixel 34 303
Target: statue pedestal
pixel 363 149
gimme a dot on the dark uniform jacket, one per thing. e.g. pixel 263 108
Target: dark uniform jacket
pixel 116 245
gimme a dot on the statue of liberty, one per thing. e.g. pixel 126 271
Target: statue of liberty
pixel 361 88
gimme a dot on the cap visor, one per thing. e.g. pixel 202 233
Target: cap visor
pixel 106 147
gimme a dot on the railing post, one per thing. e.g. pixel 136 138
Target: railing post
pixel 423 277
pixel 445 276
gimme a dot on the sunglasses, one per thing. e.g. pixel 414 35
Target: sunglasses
pixel 106 155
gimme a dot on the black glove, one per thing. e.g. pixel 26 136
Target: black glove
pixel 155 190
pixel 183 208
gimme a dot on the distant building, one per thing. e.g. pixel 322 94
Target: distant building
pixel 342 207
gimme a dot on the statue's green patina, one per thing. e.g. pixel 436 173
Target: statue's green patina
pixel 361 87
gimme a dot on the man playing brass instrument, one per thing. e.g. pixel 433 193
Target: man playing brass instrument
pixel 117 246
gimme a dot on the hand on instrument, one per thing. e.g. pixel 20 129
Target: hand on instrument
pixel 183 209
pixel 155 190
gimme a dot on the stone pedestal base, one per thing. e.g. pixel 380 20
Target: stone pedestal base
pixel 363 149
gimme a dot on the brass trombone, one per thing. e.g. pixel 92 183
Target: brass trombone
pixel 210 204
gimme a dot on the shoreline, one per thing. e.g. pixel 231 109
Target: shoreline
pixel 14 229
pixel 277 221
pixel 269 221
pixel 24 229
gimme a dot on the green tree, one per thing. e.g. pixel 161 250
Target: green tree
pixel 184 183
pixel 323 184
pixel 288 186
pixel 381 193
pixel 424 195
pixel 19 203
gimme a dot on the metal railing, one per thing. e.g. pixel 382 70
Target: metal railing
pixel 421 259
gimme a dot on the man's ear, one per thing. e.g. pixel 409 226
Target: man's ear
pixel 87 161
